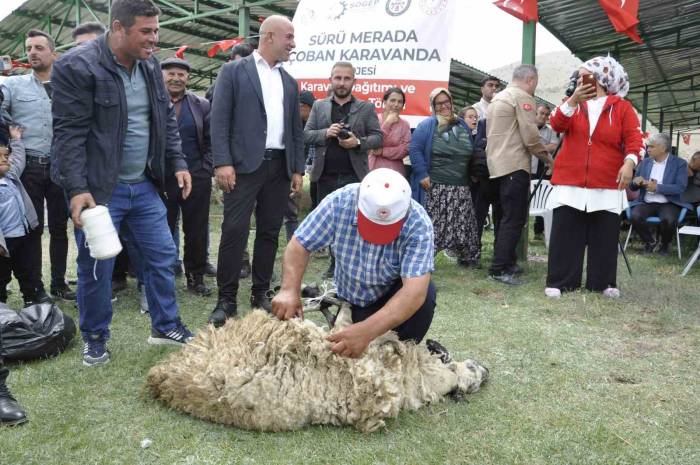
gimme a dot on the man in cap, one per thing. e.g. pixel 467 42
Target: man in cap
pixel 192 114
pixel 383 241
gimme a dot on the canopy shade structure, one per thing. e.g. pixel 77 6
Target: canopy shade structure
pixel 183 22
pixel 664 71
pixel 465 85
pixel 186 22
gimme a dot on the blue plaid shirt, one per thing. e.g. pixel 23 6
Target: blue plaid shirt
pixel 364 272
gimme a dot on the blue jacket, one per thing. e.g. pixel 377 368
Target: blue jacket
pixel 239 120
pixel 90 118
pixel 17 164
pixel 673 184
pixel 420 151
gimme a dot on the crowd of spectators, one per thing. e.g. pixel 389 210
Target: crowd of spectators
pixel 109 124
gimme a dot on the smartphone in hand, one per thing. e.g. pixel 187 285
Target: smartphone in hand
pixel 588 79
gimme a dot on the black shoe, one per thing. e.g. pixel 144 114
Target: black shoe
pixel 63 292
pixel 195 284
pixel 39 297
pixel 663 250
pixel 210 271
pixel 505 278
pixel 649 247
pixel 11 413
pixel 177 269
pixel 261 300
pixel 245 269
pixel 118 285
pixel 224 310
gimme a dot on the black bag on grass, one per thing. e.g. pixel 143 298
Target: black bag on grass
pixel 38 331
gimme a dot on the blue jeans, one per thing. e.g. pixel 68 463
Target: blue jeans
pixel 144 213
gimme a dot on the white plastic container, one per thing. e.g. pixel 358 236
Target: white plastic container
pixel 100 236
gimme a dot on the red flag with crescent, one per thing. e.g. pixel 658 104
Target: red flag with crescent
pixel 623 14
pixel 524 10
pixel 224 45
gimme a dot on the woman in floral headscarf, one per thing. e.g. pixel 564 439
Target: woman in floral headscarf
pixel 440 149
pixel 601 147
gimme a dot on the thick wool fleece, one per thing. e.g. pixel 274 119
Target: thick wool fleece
pixel 263 374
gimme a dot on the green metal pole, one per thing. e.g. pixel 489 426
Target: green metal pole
pixel 77 12
pixel 661 121
pixel 670 133
pixel 529 42
pixel 645 107
pixel 244 21
pixel 528 57
pixel 678 143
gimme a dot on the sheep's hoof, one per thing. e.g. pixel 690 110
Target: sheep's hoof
pixel 435 348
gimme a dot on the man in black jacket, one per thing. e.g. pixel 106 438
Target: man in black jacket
pixel 193 124
pixel 115 141
pixel 258 150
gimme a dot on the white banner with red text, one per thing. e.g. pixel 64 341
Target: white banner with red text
pixel 390 43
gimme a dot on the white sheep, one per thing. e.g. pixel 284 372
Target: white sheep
pixel 260 373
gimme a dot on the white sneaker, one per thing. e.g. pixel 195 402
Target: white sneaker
pixel 552 292
pixel 612 293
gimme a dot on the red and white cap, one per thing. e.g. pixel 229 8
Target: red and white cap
pixel 382 204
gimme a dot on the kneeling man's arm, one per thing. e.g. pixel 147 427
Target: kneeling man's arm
pixel 287 303
pixel 353 340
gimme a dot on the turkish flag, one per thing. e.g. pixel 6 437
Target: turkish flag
pixel 623 16
pixel 181 52
pixel 686 139
pixel 524 10
pixel 223 45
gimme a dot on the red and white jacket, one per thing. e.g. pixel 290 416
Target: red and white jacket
pixel 594 161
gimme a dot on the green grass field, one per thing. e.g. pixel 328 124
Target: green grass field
pixel 582 380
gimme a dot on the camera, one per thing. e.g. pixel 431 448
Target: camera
pixel 5 64
pixel 345 132
pixel 573 82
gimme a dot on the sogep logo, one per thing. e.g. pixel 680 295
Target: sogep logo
pixel 397 7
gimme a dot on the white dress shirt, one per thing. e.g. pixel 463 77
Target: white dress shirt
pixel 273 97
pixel 657 172
pixel 481 106
pixel 583 198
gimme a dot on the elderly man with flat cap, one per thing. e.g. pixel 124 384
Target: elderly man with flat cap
pixel 192 114
pixel 383 242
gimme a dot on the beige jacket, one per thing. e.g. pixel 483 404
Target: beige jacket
pixel 511 131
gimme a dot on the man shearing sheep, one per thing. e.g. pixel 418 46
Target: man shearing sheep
pixel 383 243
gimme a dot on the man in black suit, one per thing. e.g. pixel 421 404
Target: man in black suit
pixel 258 149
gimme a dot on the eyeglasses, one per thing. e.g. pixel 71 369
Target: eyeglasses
pixel 444 103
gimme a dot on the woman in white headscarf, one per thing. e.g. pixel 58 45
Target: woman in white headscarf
pixel 601 147
pixel 440 150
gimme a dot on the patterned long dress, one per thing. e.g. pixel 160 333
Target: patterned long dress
pixel 449 201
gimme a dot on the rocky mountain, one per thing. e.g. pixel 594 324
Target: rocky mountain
pixel 554 70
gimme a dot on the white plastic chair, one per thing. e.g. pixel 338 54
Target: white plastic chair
pixel 538 206
pixel 692 231
pixel 656 220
